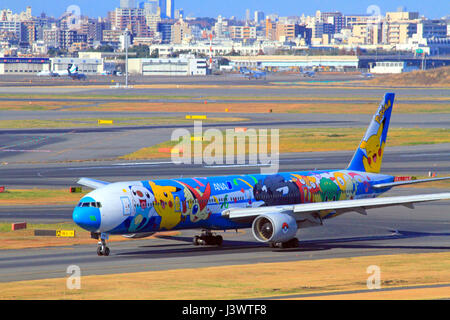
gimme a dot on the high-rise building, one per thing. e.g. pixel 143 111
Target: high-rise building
pixel 167 8
pixel 221 28
pixel 271 30
pixel 432 29
pixel 127 4
pixel 259 17
pixel 150 7
pixel 165 29
pixel 179 13
pixel 242 32
pixel 181 32
pixel 132 19
pixel 170 9
pixel 163 8
pixel 247 15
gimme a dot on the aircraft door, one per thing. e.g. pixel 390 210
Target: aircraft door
pixel 126 205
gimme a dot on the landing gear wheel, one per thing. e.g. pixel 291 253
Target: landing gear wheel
pixel 293 243
pixel 102 249
pixel 219 240
pixel 195 241
pixel 208 239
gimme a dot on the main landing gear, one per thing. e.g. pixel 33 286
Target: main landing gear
pixel 207 239
pixel 102 249
pixel 293 243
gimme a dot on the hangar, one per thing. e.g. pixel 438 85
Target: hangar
pixel 23 65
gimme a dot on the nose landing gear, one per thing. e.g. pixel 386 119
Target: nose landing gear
pixel 207 238
pixel 102 249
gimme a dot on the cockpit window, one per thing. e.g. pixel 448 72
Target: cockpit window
pixel 90 204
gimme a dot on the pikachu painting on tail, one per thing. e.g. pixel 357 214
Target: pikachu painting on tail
pixel 369 155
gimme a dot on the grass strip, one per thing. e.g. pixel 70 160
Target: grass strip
pixel 313 140
pixel 249 281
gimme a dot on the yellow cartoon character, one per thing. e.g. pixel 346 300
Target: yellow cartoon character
pixel 165 205
pixel 374 151
pixel 346 185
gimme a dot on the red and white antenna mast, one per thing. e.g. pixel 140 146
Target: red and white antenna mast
pixel 210 51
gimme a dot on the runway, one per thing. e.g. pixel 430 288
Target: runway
pixel 383 231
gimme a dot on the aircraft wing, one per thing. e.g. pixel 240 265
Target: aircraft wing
pixel 92 183
pixel 310 211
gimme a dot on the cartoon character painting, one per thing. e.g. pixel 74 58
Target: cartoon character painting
pixel 373 148
pixel 275 190
pixel 142 199
pixel 346 184
pixel 309 188
pixel 165 205
pixel 329 189
pixel 195 204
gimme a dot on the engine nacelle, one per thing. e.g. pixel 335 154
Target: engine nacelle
pixel 274 227
pixel 138 235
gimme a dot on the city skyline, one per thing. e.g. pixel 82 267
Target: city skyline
pixel 202 8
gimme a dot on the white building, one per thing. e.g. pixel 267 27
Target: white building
pixel 185 65
pixel 23 65
pixel 391 67
pixel 85 65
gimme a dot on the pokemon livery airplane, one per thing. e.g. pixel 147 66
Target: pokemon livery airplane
pixel 274 206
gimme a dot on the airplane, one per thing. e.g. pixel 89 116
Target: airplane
pixel 274 206
pixel 252 73
pixel 46 74
pixel 72 72
pixel 307 73
pixel 366 75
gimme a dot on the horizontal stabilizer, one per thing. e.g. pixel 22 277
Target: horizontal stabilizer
pixel 402 183
pixel 92 183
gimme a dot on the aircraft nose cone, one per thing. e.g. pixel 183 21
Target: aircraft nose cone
pixel 87 218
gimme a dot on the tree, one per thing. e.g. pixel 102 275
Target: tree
pixel 154 54
pixel 142 51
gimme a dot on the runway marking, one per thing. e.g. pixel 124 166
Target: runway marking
pixel 18 150
pixel 423 154
pixel 236 165
pixel 142 163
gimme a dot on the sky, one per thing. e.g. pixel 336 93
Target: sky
pixel 228 8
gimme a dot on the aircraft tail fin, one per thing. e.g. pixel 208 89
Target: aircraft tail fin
pixel 369 155
pixel 72 68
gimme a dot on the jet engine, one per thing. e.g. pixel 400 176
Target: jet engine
pixel 274 227
pixel 138 235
